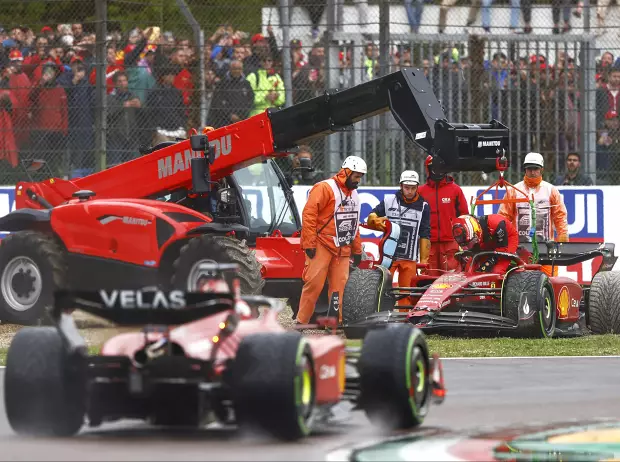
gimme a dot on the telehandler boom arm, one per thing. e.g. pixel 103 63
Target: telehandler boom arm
pixel 406 93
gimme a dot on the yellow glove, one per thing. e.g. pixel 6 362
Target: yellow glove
pixel 425 250
pixel 563 238
pixel 376 223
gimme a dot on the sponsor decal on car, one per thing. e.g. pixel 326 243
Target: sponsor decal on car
pixel 563 301
pixel 441 285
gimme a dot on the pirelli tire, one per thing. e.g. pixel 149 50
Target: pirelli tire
pixel 603 309
pixel 32 267
pixel 44 388
pixel 217 249
pixel 274 385
pixel 395 380
pixel 528 299
pixel 364 294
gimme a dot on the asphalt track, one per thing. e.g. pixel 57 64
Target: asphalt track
pixel 483 393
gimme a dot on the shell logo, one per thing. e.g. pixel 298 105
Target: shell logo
pixel 563 301
pixel 441 286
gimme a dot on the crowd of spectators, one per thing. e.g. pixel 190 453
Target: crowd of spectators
pixel 47 90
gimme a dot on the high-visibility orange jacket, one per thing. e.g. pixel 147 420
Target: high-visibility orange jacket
pixel 318 215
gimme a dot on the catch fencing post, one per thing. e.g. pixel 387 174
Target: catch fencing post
pixel 286 51
pixel 199 37
pixel 101 115
pixel 384 65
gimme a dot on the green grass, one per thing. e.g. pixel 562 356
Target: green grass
pixel 592 345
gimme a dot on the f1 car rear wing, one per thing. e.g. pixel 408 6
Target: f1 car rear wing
pixel 406 93
pixel 570 253
pixel 140 307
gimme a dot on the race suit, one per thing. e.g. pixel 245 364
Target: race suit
pixel 330 226
pixel 415 232
pixel 500 235
pixel 551 216
pixel 447 202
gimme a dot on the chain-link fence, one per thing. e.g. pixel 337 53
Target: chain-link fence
pixel 547 70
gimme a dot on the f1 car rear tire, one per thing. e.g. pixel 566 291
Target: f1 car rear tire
pixel 32 267
pixel 44 391
pixel 528 300
pixel 604 303
pixel 217 249
pixel 364 294
pixel 273 385
pixel 394 370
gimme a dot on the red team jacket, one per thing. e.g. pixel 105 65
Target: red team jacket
pixel 447 202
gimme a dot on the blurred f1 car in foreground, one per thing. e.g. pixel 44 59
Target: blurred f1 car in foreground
pixel 523 302
pixel 206 357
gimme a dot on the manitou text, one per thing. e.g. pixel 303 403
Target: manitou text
pixel 181 161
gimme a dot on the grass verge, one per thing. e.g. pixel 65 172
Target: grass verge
pixel 451 347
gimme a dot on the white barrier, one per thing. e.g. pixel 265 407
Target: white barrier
pixel 585 205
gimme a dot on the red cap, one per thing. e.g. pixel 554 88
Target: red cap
pixel 16 55
pixel 257 38
pixel 45 29
pixel 76 59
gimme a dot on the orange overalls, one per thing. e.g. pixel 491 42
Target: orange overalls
pixel 331 214
pixel 551 216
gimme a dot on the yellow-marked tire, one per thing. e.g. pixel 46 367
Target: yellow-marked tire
pixel 394 375
pixel 273 385
pixel 528 299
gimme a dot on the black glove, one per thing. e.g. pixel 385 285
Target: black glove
pixel 311 253
pixel 357 259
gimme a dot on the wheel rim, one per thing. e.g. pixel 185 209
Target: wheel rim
pixel 546 315
pixel 418 378
pixel 306 390
pixel 21 283
pixel 195 274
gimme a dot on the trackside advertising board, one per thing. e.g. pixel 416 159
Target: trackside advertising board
pixel 587 221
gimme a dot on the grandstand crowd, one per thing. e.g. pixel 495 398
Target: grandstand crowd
pixel 47 89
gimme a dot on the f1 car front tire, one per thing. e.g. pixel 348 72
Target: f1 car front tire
pixel 394 377
pixel 44 392
pixel 217 249
pixel 528 300
pixel 32 268
pixel 604 303
pixel 364 294
pixel 274 385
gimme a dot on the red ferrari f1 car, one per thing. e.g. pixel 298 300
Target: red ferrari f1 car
pixel 210 356
pixel 523 302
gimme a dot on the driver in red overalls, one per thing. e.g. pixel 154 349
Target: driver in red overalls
pixel 487 233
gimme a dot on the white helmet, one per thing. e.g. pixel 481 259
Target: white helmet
pixel 409 177
pixel 534 159
pixel 355 164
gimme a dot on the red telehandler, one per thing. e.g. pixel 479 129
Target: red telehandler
pixel 218 196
